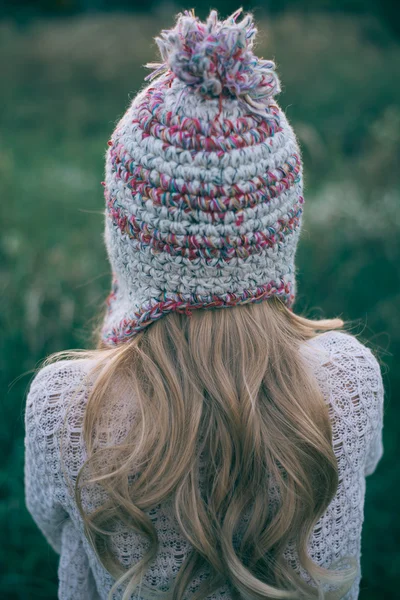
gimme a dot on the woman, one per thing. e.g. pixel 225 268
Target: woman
pixel 198 452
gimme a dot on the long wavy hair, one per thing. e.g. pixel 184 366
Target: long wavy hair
pixel 231 388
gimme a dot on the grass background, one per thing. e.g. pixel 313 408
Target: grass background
pixel 65 82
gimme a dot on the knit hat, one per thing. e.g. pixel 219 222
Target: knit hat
pixel 203 182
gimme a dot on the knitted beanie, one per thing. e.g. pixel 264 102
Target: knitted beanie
pixel 203 182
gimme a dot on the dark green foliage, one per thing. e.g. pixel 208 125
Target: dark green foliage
pixel 64 84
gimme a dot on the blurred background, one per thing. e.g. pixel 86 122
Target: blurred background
pixel 68 70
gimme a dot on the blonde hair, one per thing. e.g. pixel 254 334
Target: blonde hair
pixel 230 386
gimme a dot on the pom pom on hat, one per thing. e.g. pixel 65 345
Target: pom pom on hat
pixel 216 57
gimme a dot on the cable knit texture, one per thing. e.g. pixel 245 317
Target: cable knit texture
pixel 350 379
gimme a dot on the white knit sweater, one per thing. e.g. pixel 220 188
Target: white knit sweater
pixel 350 378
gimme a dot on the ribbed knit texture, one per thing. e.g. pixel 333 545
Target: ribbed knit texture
pixel 203 186
pixel 351 382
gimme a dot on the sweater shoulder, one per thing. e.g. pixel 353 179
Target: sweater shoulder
pixel 61 373
pixel 348 364
pixel 50 393
pixel 341 342
pixel 350 378
pixel 56 380
pixel 54 411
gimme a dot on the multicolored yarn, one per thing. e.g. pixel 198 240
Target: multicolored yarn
pixel 216 58
pixel 203 186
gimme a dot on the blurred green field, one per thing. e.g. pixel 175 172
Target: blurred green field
pixel 64 85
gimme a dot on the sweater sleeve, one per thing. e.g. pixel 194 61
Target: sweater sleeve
pixel 47 409
pixel 41 416
pixel 376 410
pixel 74 573
pixel 352 381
